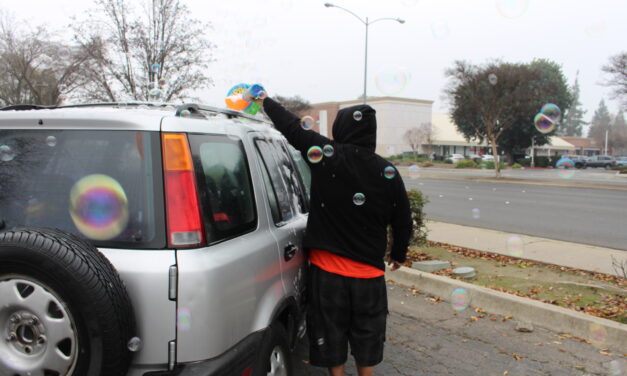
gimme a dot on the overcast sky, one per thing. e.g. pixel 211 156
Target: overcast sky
pixel 301 47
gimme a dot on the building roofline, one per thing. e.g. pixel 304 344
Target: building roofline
pixel 375 99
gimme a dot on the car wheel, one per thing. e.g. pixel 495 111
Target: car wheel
pixel 64 311
pixel 275 356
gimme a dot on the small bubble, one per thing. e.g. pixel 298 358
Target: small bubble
pixel 328 151
pixel 185 113
pixel 515 246
pixel 359 199
pixel 51 141
pixel 314 154
pixel 476 213
pixel 162 83
pixel 597 334
pixel 357 115
pixel 440 196
pixel 512 8
pixel 6 153
pixel 552 111
pixel 154 92
pixel 506 202
pixel 389 172
pixel 460 299
pixel 183 319
pixel 414 171
pixel 134 344
pixel 391 80
pixel 617 367
pixel 493 79
pixel 566 168
pixel 307 122
pixel 469 198
pixel 440 30
pixel 320 341
pixel 155 67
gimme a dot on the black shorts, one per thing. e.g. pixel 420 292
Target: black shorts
pixel 344 310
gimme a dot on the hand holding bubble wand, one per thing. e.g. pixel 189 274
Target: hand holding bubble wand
pixel 246 98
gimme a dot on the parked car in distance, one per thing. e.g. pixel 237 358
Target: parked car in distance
pixel 487 158
pixel 475 157
pixel 621 161
pixel 455 158
pixel 149 239
pixel 605 161
pixel 579 161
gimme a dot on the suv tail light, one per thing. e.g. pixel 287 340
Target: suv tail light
pixel 184 223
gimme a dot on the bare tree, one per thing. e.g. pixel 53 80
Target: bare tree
pixel 34 68
pixel 418 136
pixel 295 104
pixel 616 69
pixel 156 52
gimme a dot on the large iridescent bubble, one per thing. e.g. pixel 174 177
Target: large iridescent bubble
pixel 99 207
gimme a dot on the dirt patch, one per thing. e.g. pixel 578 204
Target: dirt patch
pixel 597 294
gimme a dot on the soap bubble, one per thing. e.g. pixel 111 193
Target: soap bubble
pixel 99 207
pixel 512 8
pixel 357 115
pixel 155 67
pixel 440 30
pixel 185 113
pixel 307 122
pixel 183 319
pixel 6 153
pixel 328 151
pixel 515 246
pixel 597 334
pixel 566 168
pixel 460 299
pixel 134 344
pixel 389 172
pixel 154 92
pixel 543 123
pixel 51 141
pixel 476 213
pixel 391 80
pixel 493 79
pixel 314 154
pixel 552 111
pixel 414 171
pixel 359 199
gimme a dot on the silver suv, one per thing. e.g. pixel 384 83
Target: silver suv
pixel 142 239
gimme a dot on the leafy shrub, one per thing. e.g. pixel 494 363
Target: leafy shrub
pixel 516 165
pixel 489 165
pixel 417 201
pixel 523 162
pixel 466 163
pixel 448 161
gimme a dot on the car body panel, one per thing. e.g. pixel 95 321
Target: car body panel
pixel 147 285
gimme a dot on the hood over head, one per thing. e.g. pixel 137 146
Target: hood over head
pixel 350 128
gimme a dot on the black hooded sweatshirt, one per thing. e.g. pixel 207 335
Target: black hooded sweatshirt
pixel 336 223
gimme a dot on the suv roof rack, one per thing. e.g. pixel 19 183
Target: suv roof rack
pixel 195 109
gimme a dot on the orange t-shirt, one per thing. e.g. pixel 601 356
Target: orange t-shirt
pixel 333 263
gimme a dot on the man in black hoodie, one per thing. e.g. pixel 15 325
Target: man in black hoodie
pixel 355 196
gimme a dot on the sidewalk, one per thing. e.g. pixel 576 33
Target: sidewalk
pixel 580 256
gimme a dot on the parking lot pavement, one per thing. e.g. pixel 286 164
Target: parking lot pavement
pixel 426 337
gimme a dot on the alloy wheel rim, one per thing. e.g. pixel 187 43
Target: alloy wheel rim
pixel 37 332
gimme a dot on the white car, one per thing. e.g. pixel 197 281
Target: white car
pixel 455 157
pixel 487 158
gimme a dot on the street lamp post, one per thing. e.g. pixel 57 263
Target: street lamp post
pixel 367 23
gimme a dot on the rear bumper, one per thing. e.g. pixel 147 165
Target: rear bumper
pixel 234 362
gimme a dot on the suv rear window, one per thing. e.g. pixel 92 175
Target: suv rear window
pixel 103 185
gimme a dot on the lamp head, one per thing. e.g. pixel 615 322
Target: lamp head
pixel 328 5
pixel 401 21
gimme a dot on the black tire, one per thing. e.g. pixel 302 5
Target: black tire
pixel 88 287
pixel 276 337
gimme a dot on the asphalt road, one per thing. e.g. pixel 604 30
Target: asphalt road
pixel 580 215
pixel 431 339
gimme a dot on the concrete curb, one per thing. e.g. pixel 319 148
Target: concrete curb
pixel 608 333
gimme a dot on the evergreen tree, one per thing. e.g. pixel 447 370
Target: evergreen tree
pixel 600 124
pixel 619 134
pixel 573 122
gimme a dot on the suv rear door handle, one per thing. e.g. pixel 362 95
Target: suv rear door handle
pixel 290 252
